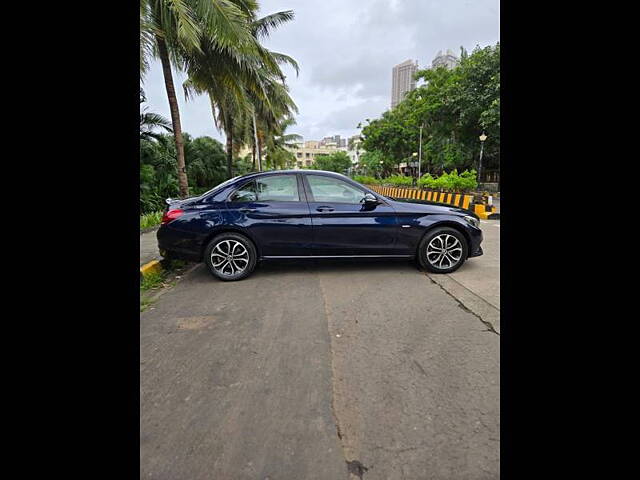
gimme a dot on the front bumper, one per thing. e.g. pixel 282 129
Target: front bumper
pixel 475 250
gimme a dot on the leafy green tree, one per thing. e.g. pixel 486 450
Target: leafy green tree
pixel 377 163
pixel 205 158
pixel 454 107
pixel 338 162
pixel 205 163
pixel 158 176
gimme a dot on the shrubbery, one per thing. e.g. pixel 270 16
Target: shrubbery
pixel 363 179
pixel 398 181
pixel 450 181
pixel 150 219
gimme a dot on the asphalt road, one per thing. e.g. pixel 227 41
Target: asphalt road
pixel 320 371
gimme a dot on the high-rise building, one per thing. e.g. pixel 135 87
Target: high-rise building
pixel 402 80
pixel 334 141
pixel 447 60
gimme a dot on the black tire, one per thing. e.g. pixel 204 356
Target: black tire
pixel 432 262
pixel 230 240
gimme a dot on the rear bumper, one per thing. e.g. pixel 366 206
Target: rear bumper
pixel 178 245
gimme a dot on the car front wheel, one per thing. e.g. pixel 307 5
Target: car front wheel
pixel 230 257
pixel 442 250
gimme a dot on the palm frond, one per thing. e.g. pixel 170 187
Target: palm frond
pixel 150 121
pixel 225 22
pixel 281 59
pixel 262 27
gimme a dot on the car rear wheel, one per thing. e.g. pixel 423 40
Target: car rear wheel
pixel 230 256
pixel 442 250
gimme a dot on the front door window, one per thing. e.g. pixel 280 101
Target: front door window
pixel 332 190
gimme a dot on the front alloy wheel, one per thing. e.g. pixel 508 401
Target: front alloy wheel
pixel 442 250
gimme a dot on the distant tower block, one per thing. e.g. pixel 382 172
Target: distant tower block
pixel 447 60
pixel 402 80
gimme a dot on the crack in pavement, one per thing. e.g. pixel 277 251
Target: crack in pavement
pixel 487 324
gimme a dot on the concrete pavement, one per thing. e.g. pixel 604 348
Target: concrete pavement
pixel 319 370
pixel 476 285
pixel 149 247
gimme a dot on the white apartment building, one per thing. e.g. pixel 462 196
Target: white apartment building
pixel 402 80
pixel 447 59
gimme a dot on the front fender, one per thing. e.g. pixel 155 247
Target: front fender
pixel 412 231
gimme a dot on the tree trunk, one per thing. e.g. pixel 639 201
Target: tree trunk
pixel 253 154
pixel 175 116
pixel 229 134
pixel 257 143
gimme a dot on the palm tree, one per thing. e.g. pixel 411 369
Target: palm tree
pixel 279 145
pixel 268 114
pixel 171 28
pixel 238 83
pixel 150 121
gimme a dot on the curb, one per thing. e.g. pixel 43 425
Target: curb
pixel 485 211
pixel 153 266
pixel 149 229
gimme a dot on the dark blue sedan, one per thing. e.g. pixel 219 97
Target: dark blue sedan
pixel 311 214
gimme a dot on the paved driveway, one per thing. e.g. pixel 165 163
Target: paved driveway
pixel 327 371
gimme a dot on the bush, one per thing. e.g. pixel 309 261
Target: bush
pixel 150 219
pixel 398 181
pixel 363 179
pixel 426 181
pixel 451 181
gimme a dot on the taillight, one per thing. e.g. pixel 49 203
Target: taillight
pixel 171 215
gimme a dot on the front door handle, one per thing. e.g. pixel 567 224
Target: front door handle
pixel 325 209
pixel 247 210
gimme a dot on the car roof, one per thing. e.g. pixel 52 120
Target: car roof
pixel 289 172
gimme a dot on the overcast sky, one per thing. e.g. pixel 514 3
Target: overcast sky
pixel 346 50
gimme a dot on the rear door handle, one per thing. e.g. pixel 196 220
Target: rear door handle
pixel 247 210
pixel 325 209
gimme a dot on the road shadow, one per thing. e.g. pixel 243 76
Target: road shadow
pixel 274 268
pixel 270 268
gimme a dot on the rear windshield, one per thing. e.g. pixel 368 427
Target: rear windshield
pixel 219 186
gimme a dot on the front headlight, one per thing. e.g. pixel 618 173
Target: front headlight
pixel 472 220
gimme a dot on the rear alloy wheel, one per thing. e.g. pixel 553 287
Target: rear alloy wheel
pixel 230 256
pixel 442 250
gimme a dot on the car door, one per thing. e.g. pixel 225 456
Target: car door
pixel 342 224
pixel 273 210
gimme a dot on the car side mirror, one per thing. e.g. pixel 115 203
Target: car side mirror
pixel 369 199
